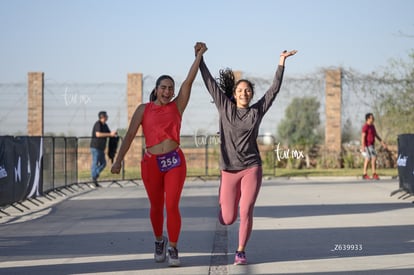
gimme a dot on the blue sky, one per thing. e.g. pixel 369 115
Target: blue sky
pixel 103 40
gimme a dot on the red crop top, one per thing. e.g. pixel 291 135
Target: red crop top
pixel 160 123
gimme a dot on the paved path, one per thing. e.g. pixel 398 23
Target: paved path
pixel 302 226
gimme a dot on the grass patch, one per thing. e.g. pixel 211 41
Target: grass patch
pixel 345 172
pixel 135 173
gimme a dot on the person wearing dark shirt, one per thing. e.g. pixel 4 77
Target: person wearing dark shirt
pixel 368 136
pixel 100 132
pixel 240 162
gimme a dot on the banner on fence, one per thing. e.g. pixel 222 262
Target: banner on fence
pixel 405 162
pixel 20 168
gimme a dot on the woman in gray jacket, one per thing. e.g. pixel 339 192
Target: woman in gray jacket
pixel 240 162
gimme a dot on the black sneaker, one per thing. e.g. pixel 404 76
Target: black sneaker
pixel 95 182
pixel 173 259
pixel 160 250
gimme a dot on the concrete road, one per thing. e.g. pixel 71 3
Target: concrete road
pixel 301 226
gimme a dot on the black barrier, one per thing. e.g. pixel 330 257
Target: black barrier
pixel 35 159
pixel 59 162
pixel 32 166
pixel 7 170
pixel 405 162
pixel 21 168
pixel 71 160
pixel 48 164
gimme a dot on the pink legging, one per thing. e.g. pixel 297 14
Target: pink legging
pixel 239 187
pixel 160 187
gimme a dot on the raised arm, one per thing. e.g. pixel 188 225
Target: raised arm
pixel 219 98
pixel 267 100
pixel 129 138
pixel 185 89
pixel 284 55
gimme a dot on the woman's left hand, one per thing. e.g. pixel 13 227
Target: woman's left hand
pixel 287 54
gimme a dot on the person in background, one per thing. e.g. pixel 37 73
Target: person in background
pixel 100 133
pixel 240 162
pixel 368 136
pixel 163 168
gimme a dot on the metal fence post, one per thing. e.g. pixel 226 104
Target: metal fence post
pixel 274 155
pixel 206 155
pixel 76 160
pixel 53 162
pixel 65 162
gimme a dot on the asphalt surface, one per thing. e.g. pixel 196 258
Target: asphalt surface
pixel 301 226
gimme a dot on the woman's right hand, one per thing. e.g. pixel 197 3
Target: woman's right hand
pixel 116 167
pixel 200 48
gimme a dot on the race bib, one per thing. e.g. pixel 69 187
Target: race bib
pixel 168 161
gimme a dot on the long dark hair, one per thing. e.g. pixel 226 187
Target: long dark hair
pixel 153 95
pixel 227 83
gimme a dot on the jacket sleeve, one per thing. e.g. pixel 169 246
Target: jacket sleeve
pixel 219 98
pixel 267 99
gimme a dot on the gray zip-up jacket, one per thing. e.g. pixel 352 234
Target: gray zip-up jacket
pixel 239 127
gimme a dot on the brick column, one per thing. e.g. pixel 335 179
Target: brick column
pixel 333 102
pixel 35 104
pixel 237 75
pixel 134 93
pixel 134 98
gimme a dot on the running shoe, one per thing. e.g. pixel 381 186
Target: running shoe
pixel 366 177
pixel 173 259
pixel 375 176
pixel 240 258
pixel 160 250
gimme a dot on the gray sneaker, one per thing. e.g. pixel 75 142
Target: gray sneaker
pixel 161 250
pixel 173 259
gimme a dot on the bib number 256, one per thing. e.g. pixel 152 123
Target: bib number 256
pixel 168 161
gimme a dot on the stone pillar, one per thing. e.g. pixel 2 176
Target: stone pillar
pixel 35 104
pixel 134 93
pixel 333 102
pixel 134 98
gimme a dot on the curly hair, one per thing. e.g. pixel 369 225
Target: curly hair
pixel 227 83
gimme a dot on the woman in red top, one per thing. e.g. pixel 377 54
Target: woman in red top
pixel 163 168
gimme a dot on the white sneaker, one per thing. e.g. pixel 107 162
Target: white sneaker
pixel 160 250
pixel 173 259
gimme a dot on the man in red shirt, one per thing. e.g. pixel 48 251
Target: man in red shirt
pixel 368 145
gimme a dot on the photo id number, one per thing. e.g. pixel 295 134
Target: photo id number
pixel 347 247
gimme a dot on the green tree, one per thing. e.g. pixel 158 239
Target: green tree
pixel 301 123
pixel 393 107
pixel 348 132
